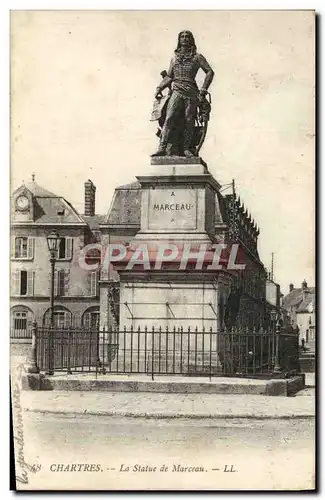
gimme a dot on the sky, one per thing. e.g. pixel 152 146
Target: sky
pixel 82 86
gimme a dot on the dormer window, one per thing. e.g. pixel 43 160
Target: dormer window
pixel 60 211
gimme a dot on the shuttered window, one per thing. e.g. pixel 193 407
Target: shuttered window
pixel 30 283
pixel 22 247
pixel 23 283
pixel 94 283
pixel 68 250
pixel 65 249
pixel 61 282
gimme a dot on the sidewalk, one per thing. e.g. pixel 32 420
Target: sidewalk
pixel 158 405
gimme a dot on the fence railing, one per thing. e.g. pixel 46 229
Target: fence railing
pixel 21 333
pixel 176 351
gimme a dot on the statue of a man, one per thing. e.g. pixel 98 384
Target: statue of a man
pixel 185 96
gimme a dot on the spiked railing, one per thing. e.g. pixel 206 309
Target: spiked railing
pixel 170 351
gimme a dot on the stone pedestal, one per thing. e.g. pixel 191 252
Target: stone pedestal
pixel 178 204
pixel 178 201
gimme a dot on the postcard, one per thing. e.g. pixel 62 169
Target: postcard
pixel 162 309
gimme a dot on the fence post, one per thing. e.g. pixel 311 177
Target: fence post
pixel 277 372
pixel 31 365
pixel 152 352
pixel 297 354
pixel 69 372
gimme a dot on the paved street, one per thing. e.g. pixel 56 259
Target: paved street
pixel 172 405
pixel 262 452
pixel 274 452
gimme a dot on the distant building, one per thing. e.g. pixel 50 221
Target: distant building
pixel 35 212
pixel 300 306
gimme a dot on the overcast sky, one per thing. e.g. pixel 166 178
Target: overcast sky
pixel 82 86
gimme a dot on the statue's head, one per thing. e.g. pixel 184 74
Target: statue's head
pixel 186 41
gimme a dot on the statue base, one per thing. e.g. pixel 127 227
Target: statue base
pixel 177 160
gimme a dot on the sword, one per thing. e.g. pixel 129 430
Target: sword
pixel 205 128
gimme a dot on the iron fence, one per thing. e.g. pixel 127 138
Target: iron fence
pixel 241 353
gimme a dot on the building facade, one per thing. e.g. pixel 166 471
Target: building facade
pixel 300 306
pixel 91 299
pixel 35 212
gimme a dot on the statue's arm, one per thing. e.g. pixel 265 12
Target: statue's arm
pixel 209 73
pixel 167 80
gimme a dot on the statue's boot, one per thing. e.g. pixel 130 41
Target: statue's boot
pixel 160 152
pixel 188 134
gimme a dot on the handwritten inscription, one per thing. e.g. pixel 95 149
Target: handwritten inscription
pixel 21 465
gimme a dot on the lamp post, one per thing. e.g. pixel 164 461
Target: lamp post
pixel 53 242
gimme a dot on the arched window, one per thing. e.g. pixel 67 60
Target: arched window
pixel 21 322
pixel 90 318
pixel 61 317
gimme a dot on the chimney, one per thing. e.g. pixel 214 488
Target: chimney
pixel 290 287
pixel 90 196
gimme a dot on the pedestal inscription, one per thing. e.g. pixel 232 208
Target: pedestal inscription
pixel 172 209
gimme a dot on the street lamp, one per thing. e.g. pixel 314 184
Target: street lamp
pixel 53 243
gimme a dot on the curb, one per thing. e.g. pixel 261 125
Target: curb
pixel 273 387
pixel 165 415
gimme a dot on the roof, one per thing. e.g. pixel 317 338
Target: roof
pixel 307 305
pixel 126 206
pixel 94 221
pixel 37 190
pixel 295 297
pixel 48 208
pixel 54 210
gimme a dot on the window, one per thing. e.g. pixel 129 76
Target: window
pixel 61 282
pixel 23 283
pixel 21 321
pixel 23 248
pixel 94 277
pixel 65 249
pixel 90 318
pixel 61 253
pixel 61 317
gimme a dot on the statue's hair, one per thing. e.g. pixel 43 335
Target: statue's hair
pixel 192 41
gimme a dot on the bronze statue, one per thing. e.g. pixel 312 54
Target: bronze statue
pixel 184 112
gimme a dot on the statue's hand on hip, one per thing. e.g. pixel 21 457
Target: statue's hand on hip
pixel 158 93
